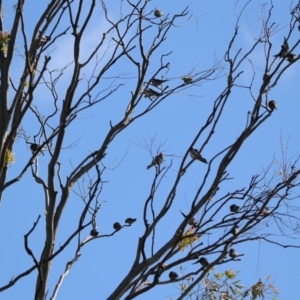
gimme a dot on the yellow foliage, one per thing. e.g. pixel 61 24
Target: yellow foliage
pixel 230 274
pixel 9 157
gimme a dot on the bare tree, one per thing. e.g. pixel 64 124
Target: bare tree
pixel 91 81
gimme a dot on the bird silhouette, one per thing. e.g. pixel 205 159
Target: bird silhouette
pixel 157 160
pixel 233 253
pixel 94 232
pixel 173 276
pixel 34 148
pixel 187 79
pixel 284 49
pixel 235 230
pixel 196 155
pixel 158 13
pixel 130 221
pixel 265 211
pixel 158 82
pixel 291 57
pixel 150 93
pixel 234 208
pixel 203 261
pixel 272 105
pixel 192 221
pixel 117 226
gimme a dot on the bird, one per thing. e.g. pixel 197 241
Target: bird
pixel 192 221
pixel 203 261
pixel 173 276
pixel 235 230
pixel 284 49
pixel 187 79
pixel 158 13
pixel 94 232
pixel 34 148
pixel 150 93
pixel 157 160
pixel 130 221
pixel 117 226
pixel 291 57
pixel 196 155
pixel 157 82
pixel 234 208
pixel 43 39
pixel 265 211
pixel 233 253
pixel 272 105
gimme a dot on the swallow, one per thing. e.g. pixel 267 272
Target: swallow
pixel 235 230
pixel 265 211
pixel 150 93
pixel 284 49
pixel 187 79
pixel 158 13
pixel 234 208
pixel 192 222
pixel 272 105
pixel 130 221
pixel 233 253
pixel 157 82
pixel 196 155
pixel 157 160
pixel 94 232
pixel 173 276
pixel 291 57
pixel 203 261
pixel 117 226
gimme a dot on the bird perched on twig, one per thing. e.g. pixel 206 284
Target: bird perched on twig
pixel 192 221
pixel 233 253
pixel 235 230
pixel 265 211
pixel 203 261
pixel 173 275
pixel 158 13
pixel 117 226
pixel 187 79
pixel 272 105
pixel 130 221
pixel 157 82
pixel 291 57
pixel 234 208
pixel 157 160
pixel 150 93
pixel 196 155
pixel 94 232
pixel 34 148
pixel 284 49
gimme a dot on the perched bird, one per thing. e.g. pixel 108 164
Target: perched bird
pixel 43 39
pixel 234 208
pixel 157 160
pixel 158 13
pixel 157 82
pixel 203 261
pixel 284 49
pixel 187 79
pixel 265 211
pixel 291 57
pixel 150 93
pixel 117 226
pixel 130 221
pixel 34 147
pixel 235 230
pixel 196 155
pixel 233 253
pixel 94 232
pixel 272 105
pixel 192 222
pixel 173 275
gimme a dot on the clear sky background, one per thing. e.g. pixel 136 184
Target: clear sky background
pixel 195 46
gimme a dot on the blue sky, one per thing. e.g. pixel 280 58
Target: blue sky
pixel 195 45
